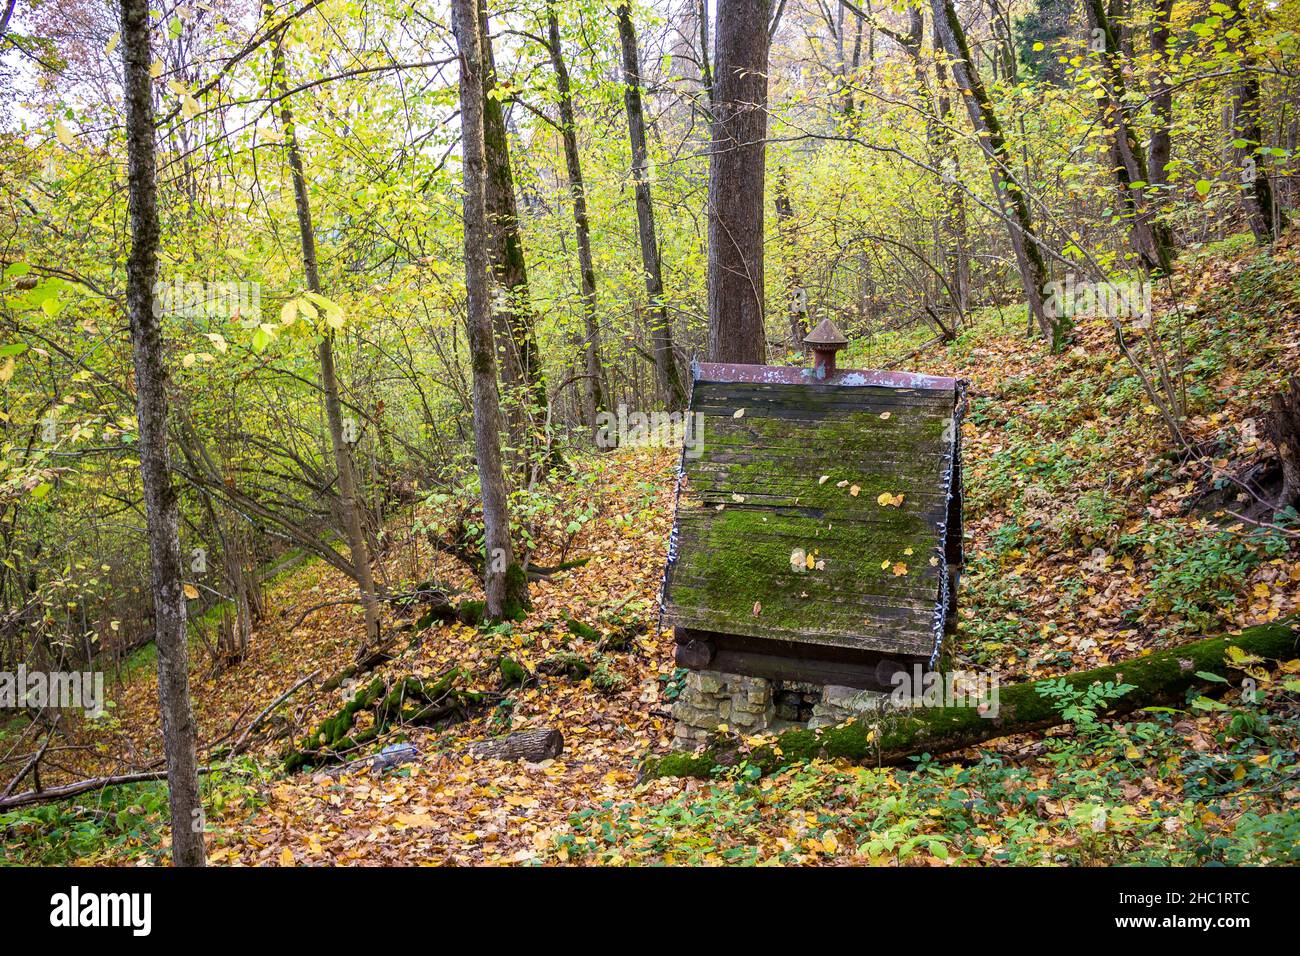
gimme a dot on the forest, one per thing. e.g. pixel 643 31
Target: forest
pixel 417 419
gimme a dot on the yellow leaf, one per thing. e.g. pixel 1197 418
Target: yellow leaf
pixel 7 370
pixel 900 569
pixel 829 843
pixel 286 857
pixel 156 68
pixel 885 416
pixel 191 591
pixel 112 44
pixel 738 413
pixel 854 491
pixel 63 133
pixel 415 819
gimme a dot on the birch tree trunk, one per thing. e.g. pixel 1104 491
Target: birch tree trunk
pixel 661 335
pixel 351 512
pixel 504 585
pixel 160 500
pixel 736 170
pixel 596 401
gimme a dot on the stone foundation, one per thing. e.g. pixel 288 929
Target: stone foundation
pixel 752 705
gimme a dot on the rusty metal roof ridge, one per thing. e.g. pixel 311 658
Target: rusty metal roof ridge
pixel 842 378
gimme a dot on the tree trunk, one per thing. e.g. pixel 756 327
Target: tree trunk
pixel 661 330
pixel 1162 98
pixel 521 364
pixel 1266 220
pixel 706 71
pixel 1012 199
pixel 1283 422
pixel 351 512
pixel 794 290
pixel 1148 238
pixel 504 585
pixel 954 198
pixel 736 170
pixel 1162 676
pixel 596 400
pixel 160 500
pixel 531 745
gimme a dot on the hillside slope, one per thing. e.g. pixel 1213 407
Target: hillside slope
pixel 1091 538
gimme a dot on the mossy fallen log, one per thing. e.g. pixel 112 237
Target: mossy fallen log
pixel 1156 678
pixel 404 701
pixel 374 657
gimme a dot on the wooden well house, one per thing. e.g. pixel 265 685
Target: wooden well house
pixel 817 535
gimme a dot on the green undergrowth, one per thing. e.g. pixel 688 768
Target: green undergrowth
pixel 120 825
pixel 1126 794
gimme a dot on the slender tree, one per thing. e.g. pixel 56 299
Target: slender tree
pixel 162 512
pixel 348 501
pixel 1149 239
pixel 1162 97
pixel 595 374
pixel 1265 217
pixel 661 332
pixel 1011 196
pixel 504 584
pixel 787 232
pixel 521 361
pixel 737 164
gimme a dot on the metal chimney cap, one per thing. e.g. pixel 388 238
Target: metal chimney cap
pixel 826 336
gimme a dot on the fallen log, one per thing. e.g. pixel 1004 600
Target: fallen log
pixel 63 792
pixel 1156 678
pixel 531 745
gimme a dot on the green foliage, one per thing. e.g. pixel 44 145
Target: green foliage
pixel 122 824
pixel 1074 806
pixel 1197 578
pixel 1080 705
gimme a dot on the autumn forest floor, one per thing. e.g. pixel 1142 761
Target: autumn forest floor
pixel 1091 539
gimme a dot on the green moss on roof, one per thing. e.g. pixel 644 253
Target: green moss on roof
pixel 755 498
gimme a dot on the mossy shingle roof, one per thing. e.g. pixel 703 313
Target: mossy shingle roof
pixel 816 511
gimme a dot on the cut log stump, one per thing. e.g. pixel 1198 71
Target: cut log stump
pixel 531 745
